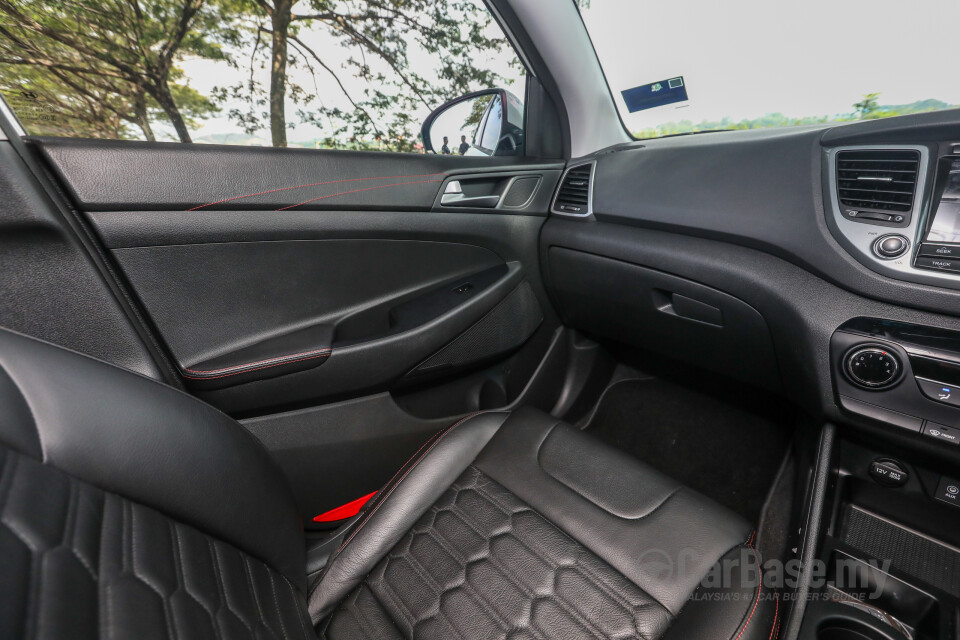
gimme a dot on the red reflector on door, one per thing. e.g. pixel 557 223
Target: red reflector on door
pixel 345 511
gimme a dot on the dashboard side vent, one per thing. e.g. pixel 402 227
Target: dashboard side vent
pixel 573 196
pixel 877 179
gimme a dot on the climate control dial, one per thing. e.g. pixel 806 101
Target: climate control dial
pixel 872 366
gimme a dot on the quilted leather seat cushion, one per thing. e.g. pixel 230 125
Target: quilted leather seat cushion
pixel 80 563
pixel 483 564
pixel 519 526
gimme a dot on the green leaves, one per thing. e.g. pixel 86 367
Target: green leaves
pixel 109 68
pixel 89 58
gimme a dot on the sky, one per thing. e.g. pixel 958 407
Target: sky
pixel 747 58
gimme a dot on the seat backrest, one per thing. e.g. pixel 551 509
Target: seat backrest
pixel 129 506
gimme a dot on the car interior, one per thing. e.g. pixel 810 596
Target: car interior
pixel 571 384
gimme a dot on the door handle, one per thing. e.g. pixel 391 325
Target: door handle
pixel 453 196
pixel 460 200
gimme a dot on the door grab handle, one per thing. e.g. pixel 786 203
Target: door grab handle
pixel 453 197
pixel 460 200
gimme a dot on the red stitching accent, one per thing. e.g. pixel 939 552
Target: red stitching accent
pixel 343 193
pixel 776 615
pixel 315 184
pixel 316 354
pixel 759 591
pixel 374 510
pixel 410 459
pixel 250 364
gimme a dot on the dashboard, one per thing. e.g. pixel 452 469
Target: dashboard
pixel 765 255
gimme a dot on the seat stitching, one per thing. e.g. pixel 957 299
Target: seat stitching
pixel 577 618
pixel 464 517
pixel 224 597
pixel 579 544
pixel 171 627
pixel 13 526
pixel 108 606
pixel 414 466
pixel 276 603
pixel 73 528
pixel 626 605
pixel 461 515
pixel 436 535
pixel 377 499
pixel 108 601
pixel 324 625
pixel 375 502
pixel 256 594
pixel 297 595
pixel 465 586
pixel 32 621
pixel 759 590
pixel 253 589
pixel 409 618
pixel 776 615
pixel 362 619
pixel 177 546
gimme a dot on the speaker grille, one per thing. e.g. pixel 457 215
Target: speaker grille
pixel 520 192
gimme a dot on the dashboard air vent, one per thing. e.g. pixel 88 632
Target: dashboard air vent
pixel 878 179
pixel 574 194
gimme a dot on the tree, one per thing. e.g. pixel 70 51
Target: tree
pixel 50 104
pixel 382 32
pixel 867 105
pixel 128 57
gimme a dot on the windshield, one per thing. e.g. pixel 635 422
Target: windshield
pixel 677 66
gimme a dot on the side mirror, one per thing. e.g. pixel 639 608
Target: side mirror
pixel 482 123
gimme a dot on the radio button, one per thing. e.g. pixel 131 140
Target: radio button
pixel 891 246
pixel 940 250
pixel 941 264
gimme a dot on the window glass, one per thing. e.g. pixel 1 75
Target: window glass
pixel 679 67
pixel 341 74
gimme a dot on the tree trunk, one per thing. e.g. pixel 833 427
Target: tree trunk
pixel 280 23
pixel 161 93
pixel 143 119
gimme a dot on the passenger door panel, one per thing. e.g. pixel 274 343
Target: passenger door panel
pixel 285 283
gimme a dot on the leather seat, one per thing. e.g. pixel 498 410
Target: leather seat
pixel 131 510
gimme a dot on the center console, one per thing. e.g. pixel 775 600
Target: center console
pixel 903 375
pixel 890 547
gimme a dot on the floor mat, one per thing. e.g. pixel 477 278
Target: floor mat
pixel 720 449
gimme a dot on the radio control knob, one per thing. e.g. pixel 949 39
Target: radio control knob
pixel 890 246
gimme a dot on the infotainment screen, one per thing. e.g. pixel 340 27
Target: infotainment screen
pixel 946 222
